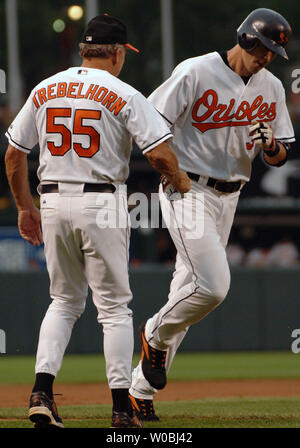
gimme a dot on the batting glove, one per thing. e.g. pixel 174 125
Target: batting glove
pixel 262 133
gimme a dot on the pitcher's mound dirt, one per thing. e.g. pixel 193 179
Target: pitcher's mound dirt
pixel 81 394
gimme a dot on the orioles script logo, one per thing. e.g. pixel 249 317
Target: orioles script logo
pixel 221 115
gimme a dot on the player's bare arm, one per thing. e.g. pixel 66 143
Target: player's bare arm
pixel 163 159
pixel 29 220
pixel 277 158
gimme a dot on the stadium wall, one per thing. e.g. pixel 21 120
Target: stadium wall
pixel 259 313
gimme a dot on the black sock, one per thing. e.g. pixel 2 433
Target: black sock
pixel 121 400
pixel 43 383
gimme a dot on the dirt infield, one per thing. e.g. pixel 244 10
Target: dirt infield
pixel 81 394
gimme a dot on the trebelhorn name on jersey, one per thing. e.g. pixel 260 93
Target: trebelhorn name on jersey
pixel 76 90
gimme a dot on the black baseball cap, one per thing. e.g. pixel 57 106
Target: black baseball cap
pixel 104 29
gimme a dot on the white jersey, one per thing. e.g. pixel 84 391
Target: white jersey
pixel 84 120
pixel 209 109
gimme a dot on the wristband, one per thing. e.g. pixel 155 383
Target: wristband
pixel 274 152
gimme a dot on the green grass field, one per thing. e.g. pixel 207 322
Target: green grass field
pixel 186 366
pixel 212 413
pixel 209 413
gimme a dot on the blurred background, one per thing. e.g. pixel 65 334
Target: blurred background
pixel 37 39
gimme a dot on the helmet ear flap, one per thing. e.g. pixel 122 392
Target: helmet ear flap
pixel 247 41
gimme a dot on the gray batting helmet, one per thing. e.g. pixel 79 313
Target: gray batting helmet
pixel 266 26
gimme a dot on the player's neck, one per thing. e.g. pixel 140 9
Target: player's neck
pixel 235 61
pixel 100 64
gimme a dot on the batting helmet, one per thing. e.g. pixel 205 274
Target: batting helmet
pixel 266 26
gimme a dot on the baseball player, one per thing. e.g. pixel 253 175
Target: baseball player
pixel 223 110
pixel 84 119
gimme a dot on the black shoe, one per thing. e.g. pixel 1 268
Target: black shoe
pixel 144 409
pixel 153 363
pixel 122 419
pixel 43 411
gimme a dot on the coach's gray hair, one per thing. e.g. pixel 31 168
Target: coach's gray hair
pixel 97 50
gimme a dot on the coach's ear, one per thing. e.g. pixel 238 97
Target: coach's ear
pixel 117 60
pixel 118 56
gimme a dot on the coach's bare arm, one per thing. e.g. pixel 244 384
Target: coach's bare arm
pixel 163 159
pixel 29 219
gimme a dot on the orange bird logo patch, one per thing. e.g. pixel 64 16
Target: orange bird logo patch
pixel 283 38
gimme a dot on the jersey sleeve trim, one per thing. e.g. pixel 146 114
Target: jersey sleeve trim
pixel 286 139
pixel 15 144
pixel 157 142
pixel 165 118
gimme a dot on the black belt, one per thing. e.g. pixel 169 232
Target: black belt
pixel 88 188
pixel 220 185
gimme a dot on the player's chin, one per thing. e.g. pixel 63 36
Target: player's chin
pixel 256 68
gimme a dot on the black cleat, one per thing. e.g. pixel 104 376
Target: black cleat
pixel 144 409
pixel 43 411
pixel 123 420
pixel 153 363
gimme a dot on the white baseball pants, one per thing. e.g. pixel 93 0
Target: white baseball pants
pixel 201 279
pixel 80 254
